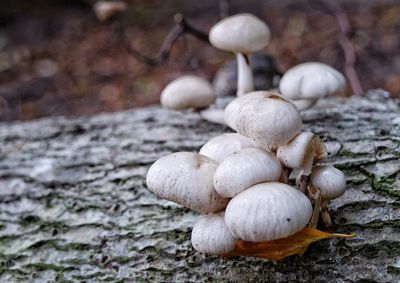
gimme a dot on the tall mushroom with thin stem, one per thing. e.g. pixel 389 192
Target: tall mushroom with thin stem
pixel 242 34
pixel 305 83
pixel 301 153
pixel 332 184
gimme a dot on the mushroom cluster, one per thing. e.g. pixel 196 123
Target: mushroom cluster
pixel 240 180
pixel 244 34
pixel 265 181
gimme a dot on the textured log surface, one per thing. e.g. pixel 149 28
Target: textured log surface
pixel 73 203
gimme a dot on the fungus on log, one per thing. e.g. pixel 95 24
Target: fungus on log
pixel 73 205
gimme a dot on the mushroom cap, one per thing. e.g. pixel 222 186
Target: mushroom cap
pixel 267 211
pixel 303 104
pixel 266 117
pixel 241 33
pixel 294 154
pixel 331 181
pixel 244 169
pixel 106 9
pixel 213 115
pixel 211 235
pixel 311 80
pixel 187 92
pixel 219 147
pixel 186 178
pixel 233 108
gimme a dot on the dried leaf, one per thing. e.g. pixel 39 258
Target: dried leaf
pixel 296 244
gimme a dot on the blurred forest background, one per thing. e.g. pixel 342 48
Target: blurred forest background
pixel 57 58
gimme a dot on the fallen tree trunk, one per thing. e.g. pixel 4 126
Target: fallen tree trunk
pixel 73 203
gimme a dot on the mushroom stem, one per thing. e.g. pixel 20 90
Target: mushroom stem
pixel 245 75
pixel 304 182
pixel 316 196
pixel 326 218
pixel 285 175
pixel 306 173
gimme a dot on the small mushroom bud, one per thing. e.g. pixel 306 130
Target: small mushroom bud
pixel 311 81
pixel 187 179
pixel 332 184
pixel 211 235
pixel 267 211
pixel 331 181
pixel 267 118
pixel 244 169
pixel 242 34
pixel 187 92
pixel 219 147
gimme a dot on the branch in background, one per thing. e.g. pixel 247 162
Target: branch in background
pixel 224 8
pixel 181 28
pixel 345 30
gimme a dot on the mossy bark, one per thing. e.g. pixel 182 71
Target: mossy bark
pixel 74 207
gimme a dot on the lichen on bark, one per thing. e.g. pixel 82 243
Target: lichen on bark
pixel 74 207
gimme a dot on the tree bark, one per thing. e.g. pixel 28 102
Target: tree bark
pixel 74 207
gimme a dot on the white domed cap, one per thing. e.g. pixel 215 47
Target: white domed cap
pixel 267 118
pixel 311 80
pixel 331 181
pixel 233 108
pixel 186 178
pixel 304 145
pixel 267 211
pixel 242 33
pixel 244 169
pixel 211 235
pixel 187 92
pixel 219 147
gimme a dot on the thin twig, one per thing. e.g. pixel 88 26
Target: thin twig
pixel 181 27
pixel 224 8
pixel 315 195
pixel 345 31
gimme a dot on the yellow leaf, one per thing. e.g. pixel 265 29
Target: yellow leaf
pixel 295 244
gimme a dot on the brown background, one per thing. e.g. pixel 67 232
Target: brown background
pixel 56 58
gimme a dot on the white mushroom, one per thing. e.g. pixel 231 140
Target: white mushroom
pixel 267 118
pixel 213 115
pixel 106 9
pixel 244 169
pixel 242 34
pixel 332 184
pixel 267 211
pixel 303 104
pixel 233 108
pixel 211 235
pixel 186 178
pixel 301 153
pixel 219 147
pixel 311 81
pixel 187 92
